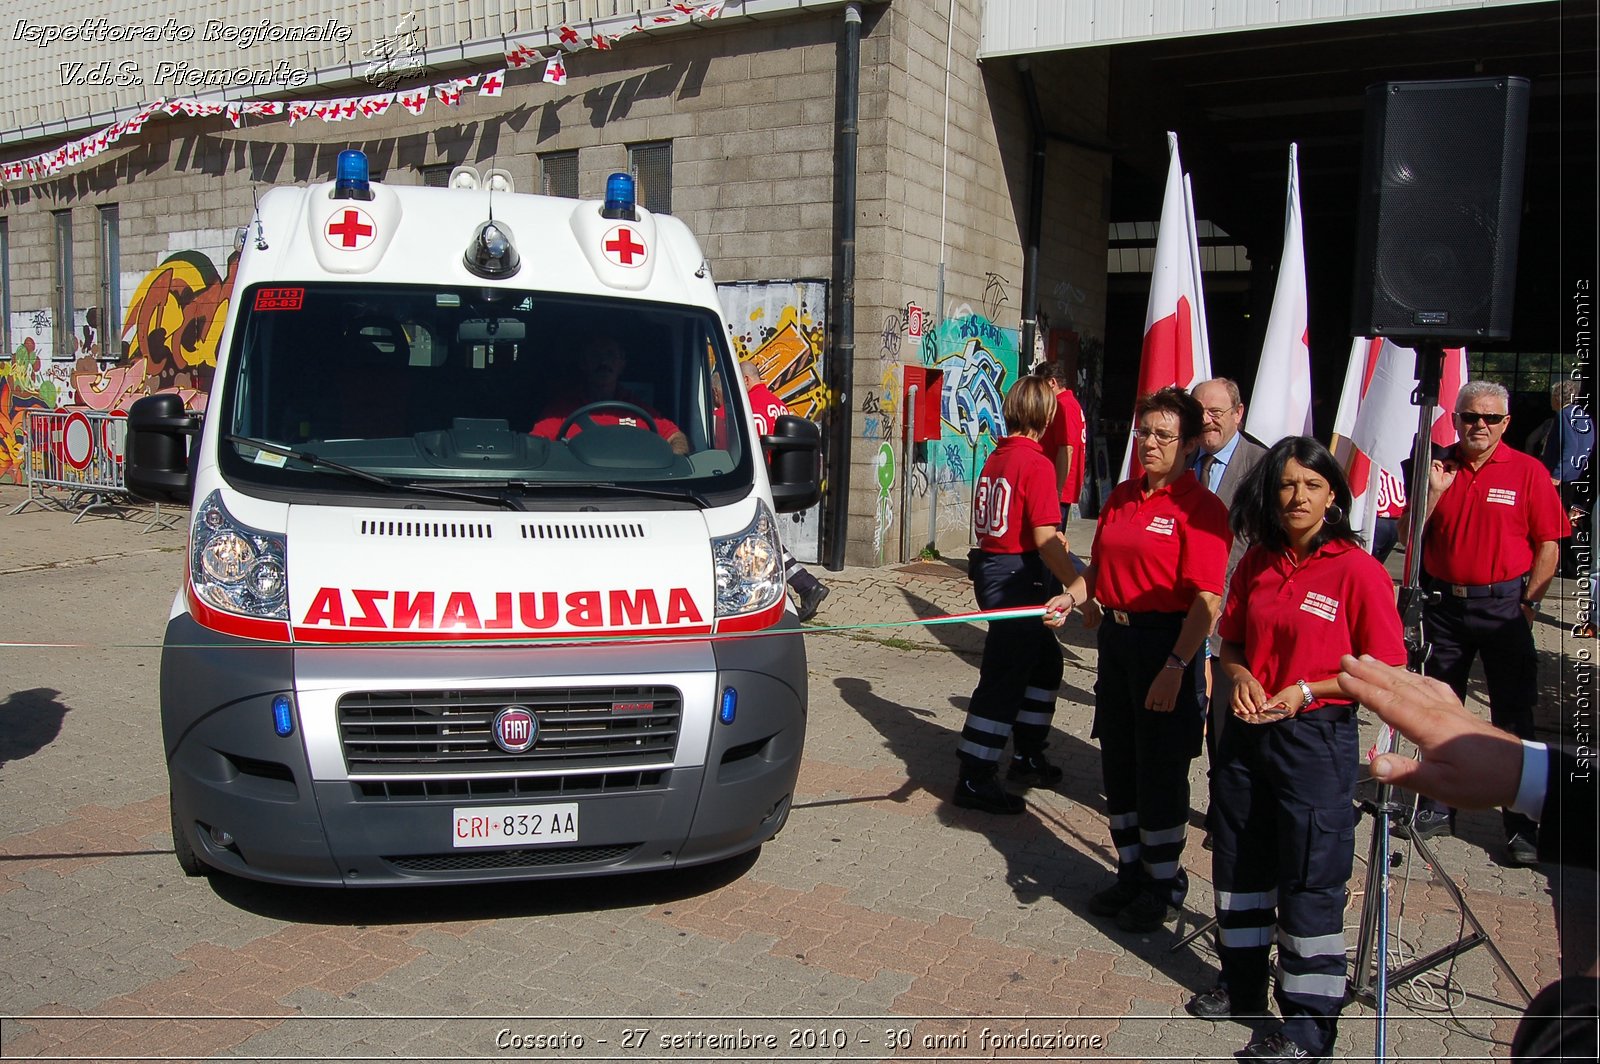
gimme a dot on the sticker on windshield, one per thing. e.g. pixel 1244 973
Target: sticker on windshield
pixel 280 298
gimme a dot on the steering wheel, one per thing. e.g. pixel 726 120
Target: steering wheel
pixel 581 416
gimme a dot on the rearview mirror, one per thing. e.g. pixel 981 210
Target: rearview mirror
pixel 490 330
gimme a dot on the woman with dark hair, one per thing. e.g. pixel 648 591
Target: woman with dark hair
pixel 1283 787
pixel 1018 561
pixel 1160 550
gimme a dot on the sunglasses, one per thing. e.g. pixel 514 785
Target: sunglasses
pixel 1472 417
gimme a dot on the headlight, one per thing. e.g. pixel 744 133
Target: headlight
pixel 749 566
pixel 237 568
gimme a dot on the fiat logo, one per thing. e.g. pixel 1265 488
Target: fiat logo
pixel 515 729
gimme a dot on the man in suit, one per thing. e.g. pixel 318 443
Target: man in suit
pixel 1224 459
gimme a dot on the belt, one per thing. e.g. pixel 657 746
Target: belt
pixel 1502 589
pixel 1144 620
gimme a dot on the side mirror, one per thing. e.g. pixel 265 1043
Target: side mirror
pixel 794 463
pixel 161 434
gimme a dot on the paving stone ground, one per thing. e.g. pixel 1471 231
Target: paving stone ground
pixel 882 924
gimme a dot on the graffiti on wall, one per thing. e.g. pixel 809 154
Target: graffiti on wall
pixel 880 422
pixel 167 343
pixel 979 362
pixel 782 327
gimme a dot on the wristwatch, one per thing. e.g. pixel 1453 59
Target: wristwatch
pixel 1532 604
pixel 1175 662
pixel 1305 692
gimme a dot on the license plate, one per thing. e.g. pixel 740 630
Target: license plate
pixel 515 825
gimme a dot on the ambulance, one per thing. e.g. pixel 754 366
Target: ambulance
pixel 483 577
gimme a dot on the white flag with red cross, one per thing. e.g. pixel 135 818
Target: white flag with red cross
pixel 493 83
pixel 447 94
pixel 1376 422
pixel 415 101
pixel 555 71
pixel 1280 403
pixel 1175 348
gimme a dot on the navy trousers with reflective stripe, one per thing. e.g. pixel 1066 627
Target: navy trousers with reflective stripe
pixel 1145 755
pixel 1021 670
pixel 1283 844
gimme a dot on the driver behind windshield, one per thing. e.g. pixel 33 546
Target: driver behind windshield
pixel 600 367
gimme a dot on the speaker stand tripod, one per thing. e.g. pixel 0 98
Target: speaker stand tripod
pixel 1369 982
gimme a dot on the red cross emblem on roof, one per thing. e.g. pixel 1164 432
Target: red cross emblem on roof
pixel 351 230
pixel 623 248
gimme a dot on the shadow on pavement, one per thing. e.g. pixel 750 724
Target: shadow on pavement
pixel 29 722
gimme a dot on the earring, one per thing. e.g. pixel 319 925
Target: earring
pixel 1334 514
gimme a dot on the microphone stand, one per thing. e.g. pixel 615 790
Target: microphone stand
pixel 1370 978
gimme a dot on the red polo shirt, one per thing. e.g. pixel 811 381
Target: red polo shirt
pixel 1297 619
pixel 766 407
pixel 1015 494
pixel 1489 523
pixel 1154 555
pixel 1068 430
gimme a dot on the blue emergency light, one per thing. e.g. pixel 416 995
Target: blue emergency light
pixel 730 705
pixel 283 711
pixel 350 177
pixel 619 198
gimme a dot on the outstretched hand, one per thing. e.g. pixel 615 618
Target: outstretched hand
pixel 1466 762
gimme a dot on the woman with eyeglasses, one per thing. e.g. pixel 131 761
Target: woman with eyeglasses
pixel 1160 550
pixel 1283 783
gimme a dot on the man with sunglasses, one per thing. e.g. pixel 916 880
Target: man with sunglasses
pixel 1492 526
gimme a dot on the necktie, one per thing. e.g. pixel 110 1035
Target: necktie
pixel 1204 469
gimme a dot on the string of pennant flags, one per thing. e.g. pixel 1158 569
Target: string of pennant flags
pixel 519 55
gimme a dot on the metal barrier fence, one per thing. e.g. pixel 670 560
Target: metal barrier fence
pixel 74 462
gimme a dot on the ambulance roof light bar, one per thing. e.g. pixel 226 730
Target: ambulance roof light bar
pixel 620 198
pixel 350 177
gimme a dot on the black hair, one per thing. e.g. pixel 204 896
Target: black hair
pixel 1054 371
pixel 1174 400
pixel 1256 512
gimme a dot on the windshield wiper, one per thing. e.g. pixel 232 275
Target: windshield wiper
pixel 504 500
pixel 613 488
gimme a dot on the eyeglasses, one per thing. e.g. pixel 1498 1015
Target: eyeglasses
pixel 1472 417
pixel 1163 438
pixel 1217 413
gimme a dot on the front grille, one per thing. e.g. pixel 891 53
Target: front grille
pixel 442 731
pixel 544 856
pixel 510 787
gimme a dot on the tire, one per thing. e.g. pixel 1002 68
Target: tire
pixel 188 860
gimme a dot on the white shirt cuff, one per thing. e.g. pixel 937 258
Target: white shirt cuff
pixel 1535 779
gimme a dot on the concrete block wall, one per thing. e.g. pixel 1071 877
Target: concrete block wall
pixel 955 190
pixel 750 111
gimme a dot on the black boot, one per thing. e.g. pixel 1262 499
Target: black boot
pixel 985 793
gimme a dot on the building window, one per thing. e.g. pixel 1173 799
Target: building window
pixel 5 289
pixel 109 324
pixel 558 174
pixel 437 176
pixel 62 346
pixel 651 166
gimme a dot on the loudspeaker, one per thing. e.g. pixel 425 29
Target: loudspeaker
pixel 1441 205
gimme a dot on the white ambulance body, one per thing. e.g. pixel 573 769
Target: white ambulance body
pixel 482 582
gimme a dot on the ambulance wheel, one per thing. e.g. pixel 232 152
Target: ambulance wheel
pixel 188 860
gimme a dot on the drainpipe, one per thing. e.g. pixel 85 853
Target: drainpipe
pixel 845 284
pixel 1030 252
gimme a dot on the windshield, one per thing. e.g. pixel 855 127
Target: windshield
pixel 532 391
